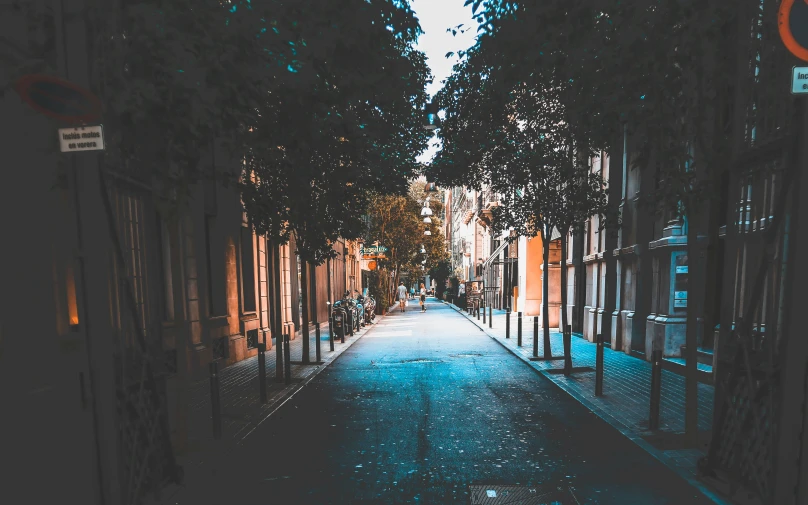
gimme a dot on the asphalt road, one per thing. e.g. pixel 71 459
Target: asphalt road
pixel 422 407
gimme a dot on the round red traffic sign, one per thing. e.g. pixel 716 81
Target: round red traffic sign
pixel 793 25
pixel 59 99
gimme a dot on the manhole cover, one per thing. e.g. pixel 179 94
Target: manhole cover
pixel 497 494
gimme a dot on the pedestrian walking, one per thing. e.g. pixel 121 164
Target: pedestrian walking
pixel 402 296
pixel 423 298
pixel 412 292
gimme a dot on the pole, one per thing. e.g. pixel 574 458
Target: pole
pixel 599 367
pixel 490 317
pixel 507 322
pixel 287 368
pixel 216 408
pixel 483 310
pixel 262 372
pixel 656 389
pixel 477 305
pixel 535 336
pixel 519 329
pixel 567 350
pixel 330 328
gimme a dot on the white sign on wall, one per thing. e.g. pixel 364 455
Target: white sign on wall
pixel 799 80
pixel 82 138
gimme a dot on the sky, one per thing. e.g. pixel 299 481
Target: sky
pixel 435 17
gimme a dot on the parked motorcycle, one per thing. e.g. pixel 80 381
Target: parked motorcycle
pixel 339 320
pixel 370 309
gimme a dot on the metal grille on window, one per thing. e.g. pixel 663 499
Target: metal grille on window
pixel 748 373
pixel 252 339
pixel 220 347
pixel 141 365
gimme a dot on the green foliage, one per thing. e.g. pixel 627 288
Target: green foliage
pixel 654 66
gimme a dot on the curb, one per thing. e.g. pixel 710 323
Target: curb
pixel 297 387
pixel 614 423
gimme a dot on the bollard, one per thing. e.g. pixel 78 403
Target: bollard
pixel 519 329
pixel 214 400
pixel 317 351
pixel 287 362
pixel 483 309
pixel 490 317
pixel 535 336
pixel 599 366
pixel 477 309
pixel 656 389
pixel 507 322
pixel 567 350
pixel 330 330
pixel 262 372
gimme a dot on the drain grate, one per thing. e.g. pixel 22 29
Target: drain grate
pixel 498 494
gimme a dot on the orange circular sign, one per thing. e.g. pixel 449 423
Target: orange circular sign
pixel 372 265
pixel 792 21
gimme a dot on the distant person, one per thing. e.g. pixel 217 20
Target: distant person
pixel 402 296
pixel 412 292
pixel 423 298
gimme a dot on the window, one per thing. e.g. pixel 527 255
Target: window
pixel 247 270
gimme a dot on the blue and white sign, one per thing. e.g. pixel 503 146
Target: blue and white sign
pixel 799 81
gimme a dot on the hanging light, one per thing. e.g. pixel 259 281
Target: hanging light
pixel 427 219
pixel 426 211
pixel 432 121
pixel 427 232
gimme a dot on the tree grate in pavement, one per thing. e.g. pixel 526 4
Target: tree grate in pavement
pixel 579 369
pixel 498 494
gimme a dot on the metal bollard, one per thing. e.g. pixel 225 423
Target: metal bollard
pixel 519 329
pixel 287 361
pixel 567 350
pixel 483 310
pixel 317 344
pixel 535 336
pixel 507 322
pixel 599 366
pixel 477 308
pixel 330 328
pixel 656 389
pixel 215 404
pixel 490 317
pixel 262 372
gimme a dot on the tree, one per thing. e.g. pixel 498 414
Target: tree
pixel 396 223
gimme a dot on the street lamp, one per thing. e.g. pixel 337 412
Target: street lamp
pixel 432 121
pixel 426 211
pixel 427 232
pixel 427 220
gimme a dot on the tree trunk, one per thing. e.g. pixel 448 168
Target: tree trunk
pixel 564 236
pixel 314 317
pixel 304 295
pixel 277 317
pixel 545 294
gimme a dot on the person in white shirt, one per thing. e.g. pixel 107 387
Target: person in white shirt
pixel 402 296
pixel 423 298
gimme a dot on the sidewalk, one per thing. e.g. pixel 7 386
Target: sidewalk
pixel 241 407
pixel 625 403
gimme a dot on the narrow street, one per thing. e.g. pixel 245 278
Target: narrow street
pixel 420 408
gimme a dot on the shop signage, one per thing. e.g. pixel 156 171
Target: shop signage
pixel 681 269
pixel 372 252
pixel 82 138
